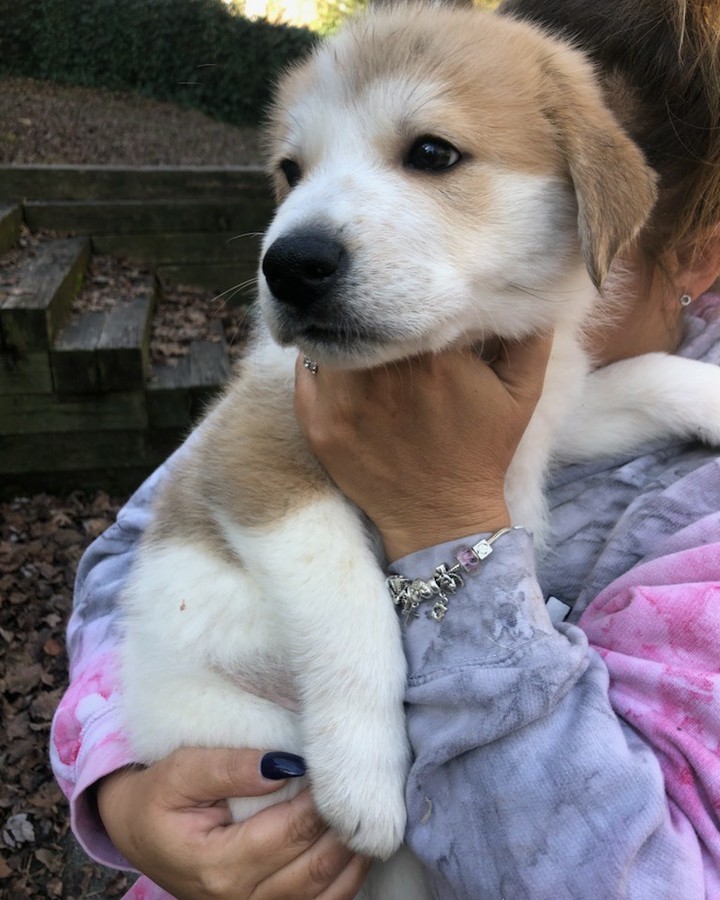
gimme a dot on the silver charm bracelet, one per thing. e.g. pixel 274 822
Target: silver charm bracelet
pixel 409 593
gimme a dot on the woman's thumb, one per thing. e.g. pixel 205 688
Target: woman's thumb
pixel 203 775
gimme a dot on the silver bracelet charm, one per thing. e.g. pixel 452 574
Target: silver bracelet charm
pixel 409 593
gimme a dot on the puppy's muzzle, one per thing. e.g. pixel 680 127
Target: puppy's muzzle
pixel 301 269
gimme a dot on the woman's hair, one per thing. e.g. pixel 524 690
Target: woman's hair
pixel 659 62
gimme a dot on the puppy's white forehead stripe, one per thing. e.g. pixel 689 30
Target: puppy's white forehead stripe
pixel 329 119
pixel 401 101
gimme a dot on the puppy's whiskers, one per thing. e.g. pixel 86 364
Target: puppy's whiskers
pixel 247 234
pixel 225 297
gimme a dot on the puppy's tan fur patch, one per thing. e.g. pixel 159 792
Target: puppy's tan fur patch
pixel 249 434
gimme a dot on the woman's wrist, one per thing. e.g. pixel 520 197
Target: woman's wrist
pixel 111 797
pixel 418 534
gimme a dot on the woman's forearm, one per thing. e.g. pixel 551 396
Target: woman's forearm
pixel 88 738
pixel 526 782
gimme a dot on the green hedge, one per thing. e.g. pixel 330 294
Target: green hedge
pixel 193 52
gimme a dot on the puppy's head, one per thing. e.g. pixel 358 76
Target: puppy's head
pixel 442 175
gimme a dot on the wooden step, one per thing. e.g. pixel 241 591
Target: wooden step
pixel 47 182
pixel 52 414
pixel 177 395
pixel 226 214
pixel 223 278
pixel 140 458
pixel 169 402
pixel 76 459
pixel 33 309
pixel 73 356
pixel 25 373
pixel 216 261
pixel 123 350
pixel 209 371
pixel 106 351
pixel 226 247
pixel 11 219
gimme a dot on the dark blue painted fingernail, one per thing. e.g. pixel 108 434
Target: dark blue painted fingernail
pixel 277 765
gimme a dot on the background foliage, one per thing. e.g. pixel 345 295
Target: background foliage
pixel 193 52
pixel 332 12
pixel 199 53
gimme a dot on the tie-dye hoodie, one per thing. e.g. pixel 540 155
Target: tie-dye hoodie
pixel 575 761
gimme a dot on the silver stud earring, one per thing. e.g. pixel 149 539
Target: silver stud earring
pixel 685 300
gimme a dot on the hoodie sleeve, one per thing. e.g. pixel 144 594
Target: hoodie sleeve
pixel 567 761
pixel 87 739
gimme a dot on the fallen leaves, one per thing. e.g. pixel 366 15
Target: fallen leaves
pixel 43 122
pixel 17 830
pixel 186 314
pixel 41 541
pixel 183 314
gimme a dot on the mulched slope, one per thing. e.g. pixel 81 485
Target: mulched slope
pixel 41 541
pixel 42 122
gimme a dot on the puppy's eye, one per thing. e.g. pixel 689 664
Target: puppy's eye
pixel 291 171
pixel 432 154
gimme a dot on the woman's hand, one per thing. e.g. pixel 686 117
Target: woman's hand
pixel 423 446
pixel 171 823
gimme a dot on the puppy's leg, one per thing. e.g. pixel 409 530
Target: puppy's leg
pixel 218 714
pixel 525 482
pixel 342 632
pixel 639 400
pixel 200 663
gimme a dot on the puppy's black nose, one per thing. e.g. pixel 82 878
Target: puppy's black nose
pixel 300 268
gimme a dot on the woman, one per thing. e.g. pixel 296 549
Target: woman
pixel 576 760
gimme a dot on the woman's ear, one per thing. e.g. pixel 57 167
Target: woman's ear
pixel 695 264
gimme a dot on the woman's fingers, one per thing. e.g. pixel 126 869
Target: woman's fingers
pixel 277 836
pixel 325 869
pixel 348 883
pixel 171 822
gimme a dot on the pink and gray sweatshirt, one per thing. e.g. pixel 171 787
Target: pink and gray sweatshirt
pixel 581 761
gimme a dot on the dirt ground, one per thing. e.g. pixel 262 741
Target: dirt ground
pixel 41 541
pixel 42 122
pixel 42 537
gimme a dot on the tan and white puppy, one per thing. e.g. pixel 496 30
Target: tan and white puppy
pixel 443 176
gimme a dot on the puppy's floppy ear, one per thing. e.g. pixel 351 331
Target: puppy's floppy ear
pixel 615 188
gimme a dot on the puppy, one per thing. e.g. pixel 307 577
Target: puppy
pixel 443 176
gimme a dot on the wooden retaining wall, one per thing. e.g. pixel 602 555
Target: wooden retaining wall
pixel 195 225
pixel 80 404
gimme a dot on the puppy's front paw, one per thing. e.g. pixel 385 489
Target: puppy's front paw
pixel 361 795
pixel 367 815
